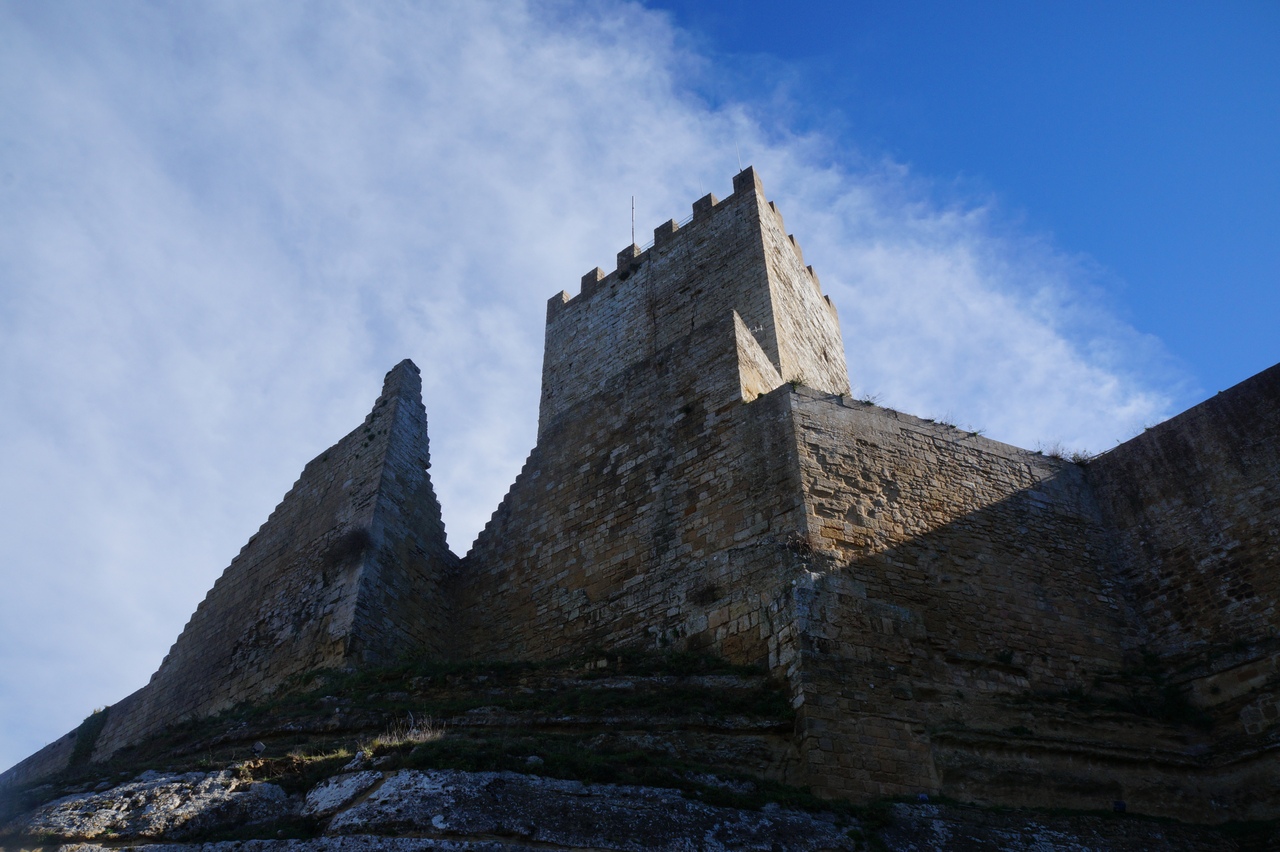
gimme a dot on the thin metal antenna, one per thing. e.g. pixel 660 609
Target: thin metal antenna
pixel 738 148
pixel 633 220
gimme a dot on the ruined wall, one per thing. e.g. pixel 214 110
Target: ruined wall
pixel 346 568
pixel 402 607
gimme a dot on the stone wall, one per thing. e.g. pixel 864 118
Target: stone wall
pixel 952 614
pixel 948 569
pixel 659 525
pixel 1196 505
pixel 965 627
pixel 54 757
pixel 345 569
pixel 402 607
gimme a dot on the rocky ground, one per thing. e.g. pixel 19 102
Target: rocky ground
pixel 367 809
pixel 669 752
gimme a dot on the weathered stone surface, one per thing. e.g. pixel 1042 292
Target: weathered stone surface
pixel 1195 504
pixel 470 810
pixel 358 843
pixel 157 805
pixel 935 828
pixel 904 828
pixel 337 792
pixel 569 814
pixel 947 567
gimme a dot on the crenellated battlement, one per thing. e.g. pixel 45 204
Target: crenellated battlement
pixel 729 256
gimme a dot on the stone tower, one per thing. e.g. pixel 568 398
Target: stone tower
pixel 732 257
pixel 662 497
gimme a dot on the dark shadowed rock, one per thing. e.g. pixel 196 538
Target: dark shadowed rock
pixel 570 814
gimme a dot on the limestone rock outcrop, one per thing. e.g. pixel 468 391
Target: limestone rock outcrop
pixel 157 805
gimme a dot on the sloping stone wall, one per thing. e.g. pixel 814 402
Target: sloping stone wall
pixel 346 568
pixel 54 757
pixel 402 606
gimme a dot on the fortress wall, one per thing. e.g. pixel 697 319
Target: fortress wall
pixel 949 570
pixel 1196 505
pixel 315 585
pixel 54 757
pixel 952 614
pixel 657 513
pixel 694 275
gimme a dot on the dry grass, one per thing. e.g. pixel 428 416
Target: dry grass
pixel 410 730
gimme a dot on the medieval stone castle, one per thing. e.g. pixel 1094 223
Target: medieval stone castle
pixel 949 614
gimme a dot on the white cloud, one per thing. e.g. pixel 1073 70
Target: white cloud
pixel 220 224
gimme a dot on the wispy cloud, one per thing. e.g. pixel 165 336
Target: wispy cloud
pixel 220 224
pixel 950 312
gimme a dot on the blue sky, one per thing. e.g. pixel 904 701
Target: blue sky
pixel 221 223
pixel 1141 133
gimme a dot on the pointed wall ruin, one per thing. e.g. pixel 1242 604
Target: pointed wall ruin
pixel 345 570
